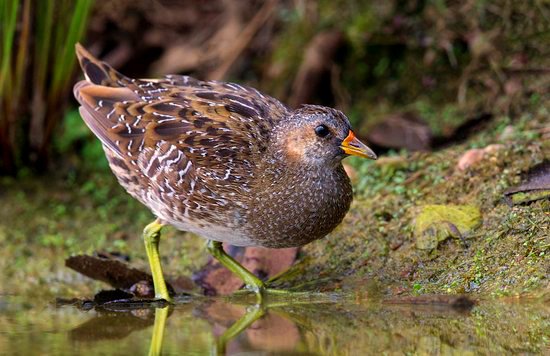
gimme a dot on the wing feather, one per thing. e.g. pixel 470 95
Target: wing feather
pixel 172 124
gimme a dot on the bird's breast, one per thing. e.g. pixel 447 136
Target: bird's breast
pixel 302 208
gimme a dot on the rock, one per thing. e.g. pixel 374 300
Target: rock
pixel 494 148
pixel 436 223
pixel 402 130
pixel 472 157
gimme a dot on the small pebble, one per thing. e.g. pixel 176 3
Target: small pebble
pixel 470 158
pixel 476 155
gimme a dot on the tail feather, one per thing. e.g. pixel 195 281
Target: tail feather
pixel 98 72
pixel 98 96
pixel 99 110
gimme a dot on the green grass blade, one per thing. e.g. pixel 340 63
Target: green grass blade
pixel 74 33
pixel 22 50
pixel 44 19
pixel 9 21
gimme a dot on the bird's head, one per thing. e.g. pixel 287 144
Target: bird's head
pixel 319 136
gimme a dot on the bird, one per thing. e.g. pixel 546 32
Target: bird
pixel 221 160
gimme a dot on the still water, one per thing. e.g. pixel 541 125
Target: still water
pixel 210 326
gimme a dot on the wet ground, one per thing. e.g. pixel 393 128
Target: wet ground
pixel 326 325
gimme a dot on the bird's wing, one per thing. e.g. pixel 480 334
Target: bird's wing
pixel 176 124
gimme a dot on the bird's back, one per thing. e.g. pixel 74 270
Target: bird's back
pixel 185 148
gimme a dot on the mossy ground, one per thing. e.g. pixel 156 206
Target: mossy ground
pixel 44 221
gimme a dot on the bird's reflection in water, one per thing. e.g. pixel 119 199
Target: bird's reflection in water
pixel 240 328
pixel 320 326
pixel 236 328
pixel 161 314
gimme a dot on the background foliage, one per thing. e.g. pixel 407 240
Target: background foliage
pixel 37 41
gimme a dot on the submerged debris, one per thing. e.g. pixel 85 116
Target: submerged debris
pixel 459 302
pixel 112 300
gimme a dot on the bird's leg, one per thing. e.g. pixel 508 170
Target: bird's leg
pixel 252 282
pixel 151 237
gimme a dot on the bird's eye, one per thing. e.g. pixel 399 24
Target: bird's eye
pixel 322 131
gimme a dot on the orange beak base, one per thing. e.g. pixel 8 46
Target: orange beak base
pixel 352 146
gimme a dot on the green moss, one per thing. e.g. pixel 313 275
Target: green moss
pixel 436 223
pixel 525 197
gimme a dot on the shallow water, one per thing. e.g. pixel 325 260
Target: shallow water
pixel 214 326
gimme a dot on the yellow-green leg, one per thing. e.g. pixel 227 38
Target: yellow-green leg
pixel 151 237
pixel 252 282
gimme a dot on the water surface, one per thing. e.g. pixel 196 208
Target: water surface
pixel 204 326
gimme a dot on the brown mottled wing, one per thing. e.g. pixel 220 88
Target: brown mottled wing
pixel 178 127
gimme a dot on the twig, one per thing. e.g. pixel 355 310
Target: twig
pixel 244 39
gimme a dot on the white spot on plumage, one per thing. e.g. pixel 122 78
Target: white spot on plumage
pixel 227 173
pixel 175 104
pixel 151 161
pixel 163 115
pixel 163 157
pixel 170 118
pixel 182 174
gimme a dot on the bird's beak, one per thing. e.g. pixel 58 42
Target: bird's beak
pixel 352 146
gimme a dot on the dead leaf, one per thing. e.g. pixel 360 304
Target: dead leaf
pixel 106 269
pixel 111 270
pixel 535 186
